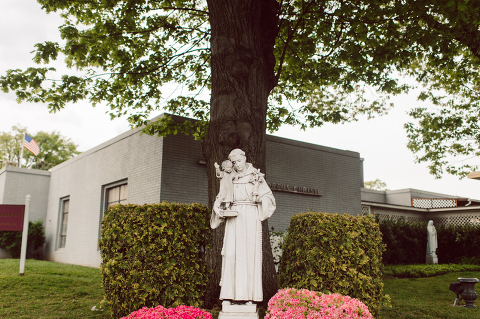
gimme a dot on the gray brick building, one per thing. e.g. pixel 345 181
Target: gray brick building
pixel 137 168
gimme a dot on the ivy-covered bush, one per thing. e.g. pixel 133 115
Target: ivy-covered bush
pixel 334 253
pixel 406 242
pixel 11 241
pixel 154 255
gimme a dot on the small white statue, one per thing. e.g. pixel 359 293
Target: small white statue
pixel 225 196
pixel 432 244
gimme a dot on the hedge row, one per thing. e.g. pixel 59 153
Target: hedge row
pixel 334 253
pixel 458 244
pixel 406 243
pixel 154 255
pixel 424 270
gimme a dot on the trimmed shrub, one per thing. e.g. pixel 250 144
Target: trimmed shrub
pixel 11 241
pixel 334 253
pixel 406 242
pixel 154 255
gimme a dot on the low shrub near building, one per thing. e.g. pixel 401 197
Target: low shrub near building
pixel 334 253
pixel 154 255
pixel 11 241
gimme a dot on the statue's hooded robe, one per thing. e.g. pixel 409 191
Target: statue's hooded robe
pixel 242 246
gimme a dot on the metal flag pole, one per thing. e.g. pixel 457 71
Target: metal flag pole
pixel 23 252
pixel 21 151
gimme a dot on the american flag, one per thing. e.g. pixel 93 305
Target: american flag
pixel 30 144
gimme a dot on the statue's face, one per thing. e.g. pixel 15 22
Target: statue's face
pixel 228 167
pixel 238 162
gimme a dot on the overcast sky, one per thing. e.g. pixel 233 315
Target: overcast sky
pixel 381 142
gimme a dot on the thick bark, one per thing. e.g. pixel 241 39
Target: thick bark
pixel 242 64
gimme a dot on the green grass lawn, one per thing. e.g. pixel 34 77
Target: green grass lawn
pixel 427 297
pixel 49 290
pixel 53 290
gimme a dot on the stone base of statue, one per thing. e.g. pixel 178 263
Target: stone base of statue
pixel 238 311
pixel 432 259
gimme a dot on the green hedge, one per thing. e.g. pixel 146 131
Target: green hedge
pixel 421 271
pixel 334 253
pixel 154 255
pixel 11 241
pixel 406 243
pixel 458 244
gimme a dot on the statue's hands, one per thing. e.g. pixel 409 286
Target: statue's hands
pixel 216 165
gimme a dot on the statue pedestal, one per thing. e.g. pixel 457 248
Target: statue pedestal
pixel 238 311
pixel 432 259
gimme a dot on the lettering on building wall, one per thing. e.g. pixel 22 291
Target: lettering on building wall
pixel 11 217
pixel 294 189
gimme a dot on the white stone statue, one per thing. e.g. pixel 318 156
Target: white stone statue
pixel 432 244
pixel 225 195
pixel 253 202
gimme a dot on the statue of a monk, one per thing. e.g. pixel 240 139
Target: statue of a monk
pixel 432 244
pixel 252 203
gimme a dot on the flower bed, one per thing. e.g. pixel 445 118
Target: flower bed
pixel 159 312
pixel 298 304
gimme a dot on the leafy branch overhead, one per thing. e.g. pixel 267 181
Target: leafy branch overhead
pixel 334 61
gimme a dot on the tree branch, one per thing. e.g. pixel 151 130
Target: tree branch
pixel 289 38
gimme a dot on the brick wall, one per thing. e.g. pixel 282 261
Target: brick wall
pixel 335 173
pixel 184 179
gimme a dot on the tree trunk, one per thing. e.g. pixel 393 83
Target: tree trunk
pixel 242 67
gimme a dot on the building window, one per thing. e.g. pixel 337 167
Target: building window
pixel 65 208
pixel 116 195
pixel 112 194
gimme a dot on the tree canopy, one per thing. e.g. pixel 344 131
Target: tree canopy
pixel 377 184
pixel 54 148
pixel 334 60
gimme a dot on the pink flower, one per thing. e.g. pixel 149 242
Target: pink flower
pixel 159 312
pixel 305 304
